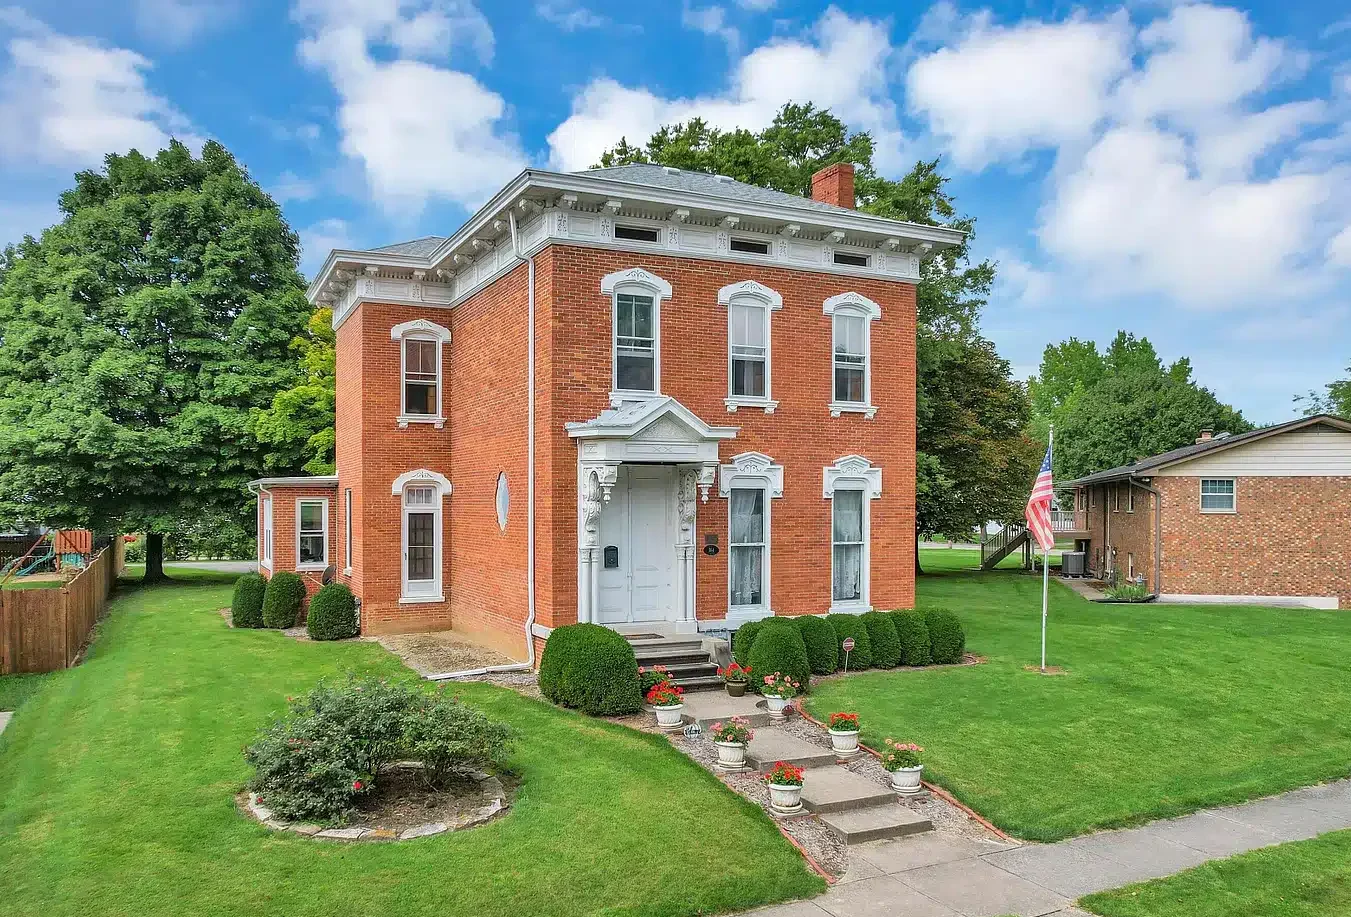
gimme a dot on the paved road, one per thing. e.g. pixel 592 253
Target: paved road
pixel 943 875
pixel 219 566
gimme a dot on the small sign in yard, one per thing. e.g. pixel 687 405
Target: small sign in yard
pixel 848 645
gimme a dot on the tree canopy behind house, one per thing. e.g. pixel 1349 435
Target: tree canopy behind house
pixel 1334 399
pixel 975 460
pixel 1121 404
pixel 137 336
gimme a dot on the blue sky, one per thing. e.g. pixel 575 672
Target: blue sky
pixel 1180 171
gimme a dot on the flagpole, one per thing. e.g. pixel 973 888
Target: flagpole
pixel 1046 571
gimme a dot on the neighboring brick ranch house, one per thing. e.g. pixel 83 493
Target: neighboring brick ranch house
pixel 1261 517
pixel 659 400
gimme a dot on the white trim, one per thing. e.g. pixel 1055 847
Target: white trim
pixel 852 302
pixel 752 471
pixel 751 290
pixel 855 473
pixel 634 282
pixel 635 277
pixel 1201 494
pixel 1321 602
pixel 769 300
pixel 421 476
pixel 269 534
pixel 436 593
pixel 322 501
pixel 853 305
pixel 347 531
pixel 420 329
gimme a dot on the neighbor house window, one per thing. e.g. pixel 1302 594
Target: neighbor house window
pixel 347 529
pixel 851 359
pixel 312 533
pixel 635 343
pixel 1116 498
pixel 749 546
pixel 267 532
pixel 1217 495
pixel 1130 497
pixel 847 548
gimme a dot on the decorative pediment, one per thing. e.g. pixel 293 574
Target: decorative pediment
pixel 420 326
pixel 635 277
pixel 421 476
pixel 666 429
pixel 852 302
pixel 853 472
pixel 751 469
pixel 751 290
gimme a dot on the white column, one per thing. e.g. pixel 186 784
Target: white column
pixel 688 506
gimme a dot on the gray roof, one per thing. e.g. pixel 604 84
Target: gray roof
pixel 673 179
pixel 417 248
pixel 1222 441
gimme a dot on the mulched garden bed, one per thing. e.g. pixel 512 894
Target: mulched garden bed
pixel 402 801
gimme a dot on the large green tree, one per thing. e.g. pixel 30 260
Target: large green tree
pixel 299 424
pixel 1334 399
pixel 975 460
pixel 1121 404
pixel 136 337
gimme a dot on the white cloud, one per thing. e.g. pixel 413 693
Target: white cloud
pixel 840 63
pixel 320 238
pixel 1021 282
pixel 1339 248
pixel 69 101
pixel 289 186
pixel 757 6
pixel 570 17
pixel 711 21
pixel 999 92
pixel 178 22
pixel 419 130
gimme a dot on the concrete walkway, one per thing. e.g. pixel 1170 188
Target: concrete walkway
pixel 4 720
pixel 938 875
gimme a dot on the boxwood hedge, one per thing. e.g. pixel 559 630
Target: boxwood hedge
pixel 947 640
pixel 861 656
pixel 282 600
pixel 914 636
pixel 333 613
pixel 780 649
pixel 886 646
pixel 246 607
pixel 822 649
pixel 592 669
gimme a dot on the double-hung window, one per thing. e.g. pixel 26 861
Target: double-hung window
pixel 421 378
pixel 748 548
pixel 267 532
pixel 1217 495
pixel 347 529
pixel 851 359
pixel 635 343
pixel 312 533
pixel 748 340
pixel 847 548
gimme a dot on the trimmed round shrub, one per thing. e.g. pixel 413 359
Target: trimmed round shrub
pixel 823 652
pixel 947 640
pixel 914 636
pixel 886 645
pixel 282 600
pixel 780 649
pixel 861 656
pixel 742 641
pixel 246 608
pixel 333 613
pixel 591 669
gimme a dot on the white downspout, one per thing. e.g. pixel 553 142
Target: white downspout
pixel 529 664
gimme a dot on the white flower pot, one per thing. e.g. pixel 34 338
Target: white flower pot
pixel 785 799
pixel 844 744
pixel 731 755
pixel 776 706
pixel 669 717
pixel 906 780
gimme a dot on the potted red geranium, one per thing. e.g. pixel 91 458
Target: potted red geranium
pixel 903 761
pixel 844 735
pixel 735 676
pixel 731 739
pixel 785 788
pixel 666 700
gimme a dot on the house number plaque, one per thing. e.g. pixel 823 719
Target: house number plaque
pixel 611 557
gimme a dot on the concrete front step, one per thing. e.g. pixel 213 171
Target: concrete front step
pixel 709 707
pixel 875 823
pixel 670 660
pixel 699 683
pixel 773 745
pixel 837 789
pixel 643 648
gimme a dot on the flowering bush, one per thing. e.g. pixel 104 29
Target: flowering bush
pixel 737 729
pixel 735 673
pixel 901 754
pixel 331 745
pixel 781 685
pixel 665 694
pixel 785 774
pixel 649 678
pixel 844 722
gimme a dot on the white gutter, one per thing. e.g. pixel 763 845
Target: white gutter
pixel 529 664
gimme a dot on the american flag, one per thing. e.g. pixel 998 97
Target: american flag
pixel 1038 510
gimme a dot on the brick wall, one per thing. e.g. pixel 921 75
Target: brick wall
pixel 284 500
pixel 1289 536
pixel 1129 534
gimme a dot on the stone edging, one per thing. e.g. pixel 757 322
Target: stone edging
pixel 249 803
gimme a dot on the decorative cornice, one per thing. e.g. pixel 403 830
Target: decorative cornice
pixel 852 302
pixel 752 290
pixel 636 277
pixel 852 472
pixel 421 476
pixel 751 469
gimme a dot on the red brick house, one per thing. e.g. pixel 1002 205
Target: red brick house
pixel 1261 517
pixel 649 398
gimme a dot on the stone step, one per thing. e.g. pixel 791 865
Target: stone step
pixel 643 648
pixel 837 789
pixel 773 745
pixel 875 823
pixel 709 707
pixel 694 670
pixel 673 660
pixel 699 682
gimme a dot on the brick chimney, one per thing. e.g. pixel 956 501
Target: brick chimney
pixel 835 185
pixel 1207 434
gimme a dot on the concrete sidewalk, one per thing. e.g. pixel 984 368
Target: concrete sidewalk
pixel 937 875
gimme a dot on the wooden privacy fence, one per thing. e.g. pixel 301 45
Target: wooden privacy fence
pixel 42 630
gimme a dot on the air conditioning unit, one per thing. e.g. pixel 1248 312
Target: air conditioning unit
pixel 1073 563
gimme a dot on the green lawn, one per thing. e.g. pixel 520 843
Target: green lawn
pixel 15 689
pixel 1303 879
pixel 1164 710
pixel 118 780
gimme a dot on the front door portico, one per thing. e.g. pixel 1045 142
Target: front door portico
pixel 642 468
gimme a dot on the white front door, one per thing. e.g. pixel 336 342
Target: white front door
pixel 637 537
